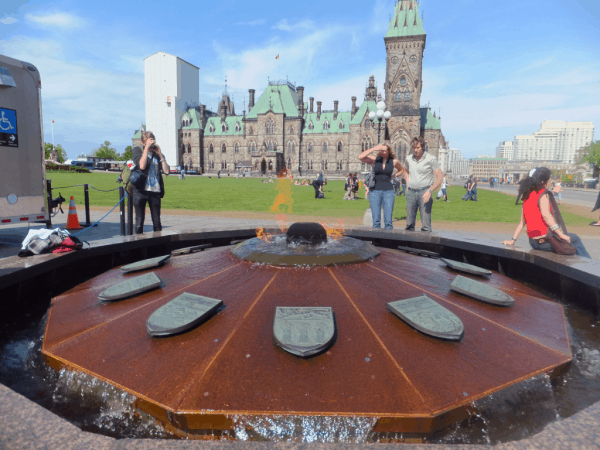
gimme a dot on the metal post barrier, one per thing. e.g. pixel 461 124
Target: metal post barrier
pixel 122 209
pixel 130 215
pixel 49 195
pixel 86 196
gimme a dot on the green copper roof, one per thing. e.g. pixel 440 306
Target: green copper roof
pixel 193 115
pixel 138 133
pixel 230 122
pixel 428 121
pixel 334 125
pixel 406 20
pixel 277 98
pixel 364 108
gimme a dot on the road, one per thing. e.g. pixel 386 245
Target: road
pixel 580 197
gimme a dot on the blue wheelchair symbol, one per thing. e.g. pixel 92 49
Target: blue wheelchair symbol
pixel 8 121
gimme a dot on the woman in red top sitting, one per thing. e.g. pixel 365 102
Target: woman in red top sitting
pixel 537 215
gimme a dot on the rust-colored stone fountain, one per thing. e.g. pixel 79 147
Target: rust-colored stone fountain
pixel 377 366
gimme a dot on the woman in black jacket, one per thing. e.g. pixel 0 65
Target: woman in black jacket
pixel 153 163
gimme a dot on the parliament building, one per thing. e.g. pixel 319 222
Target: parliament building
pixel 281 129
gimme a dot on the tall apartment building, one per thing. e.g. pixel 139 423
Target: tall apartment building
pixel 505 150
pixel 171 87
pixel 486 167
pixel 555 141
pixel 456 164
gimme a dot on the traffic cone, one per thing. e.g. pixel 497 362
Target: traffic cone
pixel 72 219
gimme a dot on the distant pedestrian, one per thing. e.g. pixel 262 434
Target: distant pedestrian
pixel 219 174
pixel 396 184
pixel 445 188
pixel 348 187
pixel 403 181
pixel 557 191
pixel 355 186
pixel 423 176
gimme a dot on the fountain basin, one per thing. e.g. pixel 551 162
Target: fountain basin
pixel 230 365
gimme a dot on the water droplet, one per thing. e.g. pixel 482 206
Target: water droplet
pixel 216 340
pixel 248 355
pixel 206 394
pixel 483 329
pixel 465 394
pixel 367 359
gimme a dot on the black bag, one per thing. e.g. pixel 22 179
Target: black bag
pixel 321 195
pixel 466 185
pixel 138 179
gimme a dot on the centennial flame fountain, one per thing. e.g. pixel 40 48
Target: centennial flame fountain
pixel 366 364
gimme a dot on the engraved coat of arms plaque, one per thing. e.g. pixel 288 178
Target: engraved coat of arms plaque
pixel 303 331
pixel 468 268
pixel 181 314
pixel 482 292
pixel 145 264
pixel 131 287
pixel 429 317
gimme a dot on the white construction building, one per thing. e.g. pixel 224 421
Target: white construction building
pixel 456 164
pixel 555 141
pixel 171 87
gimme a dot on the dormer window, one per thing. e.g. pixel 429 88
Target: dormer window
pixel 326 125
pixel 211 128
pixel 341 124
pixel 311 126
pixel 237 127
pixel 223 128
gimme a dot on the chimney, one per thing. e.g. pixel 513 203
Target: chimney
pixel 312 100
pixel 251 99
pixel 335 109
pixel 353 110
pixel 202 116
pixel 300 91
pixel 319 110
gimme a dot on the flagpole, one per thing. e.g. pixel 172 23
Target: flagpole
pixel 52 126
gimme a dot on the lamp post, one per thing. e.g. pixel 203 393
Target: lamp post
pixel 381 114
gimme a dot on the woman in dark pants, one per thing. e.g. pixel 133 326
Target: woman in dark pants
pixel 153 163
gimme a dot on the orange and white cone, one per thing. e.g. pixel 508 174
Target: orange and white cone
pixel 72 219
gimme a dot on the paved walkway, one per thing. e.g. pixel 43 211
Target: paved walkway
pixel 12 237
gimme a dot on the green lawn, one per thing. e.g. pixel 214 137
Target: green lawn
pixel 250 194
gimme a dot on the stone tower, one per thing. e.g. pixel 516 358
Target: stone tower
pixel 404 44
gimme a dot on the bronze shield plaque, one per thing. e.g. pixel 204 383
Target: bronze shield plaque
pixel 482 292
pixel 303 331
pixel 429 317
pixel 145 264
pixel 131 287
pixel 181 314
pixel 467 268
pixel 419 252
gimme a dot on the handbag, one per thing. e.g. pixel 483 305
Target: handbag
pixel 138 179
pixel 370 179
pixel 559 245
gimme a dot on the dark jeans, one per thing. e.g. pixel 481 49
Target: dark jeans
pixel 316 185
pixel 139 205
pixel 547 246
pixel 472 195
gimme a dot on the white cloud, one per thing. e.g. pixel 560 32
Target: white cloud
pixel 252 23
pixel 285 25
pixel 8 20
pixel 61 20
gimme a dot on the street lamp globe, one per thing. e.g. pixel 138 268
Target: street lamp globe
pixel 387 115
pixel 381 105
pixel 380 113
pixel 372 115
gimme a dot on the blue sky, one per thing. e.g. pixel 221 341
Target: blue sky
pixel 494 69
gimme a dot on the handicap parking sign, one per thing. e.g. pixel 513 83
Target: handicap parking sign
pixel 8 128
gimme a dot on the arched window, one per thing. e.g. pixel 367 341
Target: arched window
pixel 325 164
pixel 311 165
pixel 270 165
pixel 251 131
pixel 367 123
pixel 311 126
pixel 270 147
pixel 325 125
pixel 237 148
pixel 291 147
pixel 291 130
pixel 270 127
pixel 310 147
pixel 407 96
pixel 275 146
pixel 224 148
pixel 325 147
pixel 339 146
pixel 366 143
pixel 223 128
pixel 211 149
pixel 341 124
pixel 189 148
pixel 182 148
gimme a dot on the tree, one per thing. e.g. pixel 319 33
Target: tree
pixel 105 151
pixel 591 154
pixel 127 154
pixel 62 154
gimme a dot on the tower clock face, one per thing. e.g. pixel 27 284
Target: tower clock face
pixel 395 60
pixel 413 58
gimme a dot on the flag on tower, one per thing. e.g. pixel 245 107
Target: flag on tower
pixel 277 57
pixel 52 120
